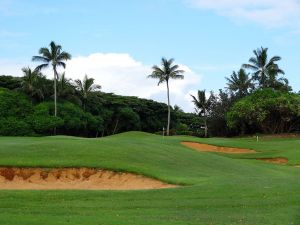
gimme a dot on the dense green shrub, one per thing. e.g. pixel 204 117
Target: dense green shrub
pixel 43 122
pixel 15 111
pixel 269 110
pixel 14 104
pixel 128 120
pixel 71 119
pixel 10 82
pixel 13 126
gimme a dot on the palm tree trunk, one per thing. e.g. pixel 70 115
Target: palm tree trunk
pixel 115 129
pixel 169 111
pixel 84 104
pixel 205 127
pixel 55 96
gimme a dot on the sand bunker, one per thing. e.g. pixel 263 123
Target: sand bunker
pixel 212 148
pixel 74 178
pixel 275 160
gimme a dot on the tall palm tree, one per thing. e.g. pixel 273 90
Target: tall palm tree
pixel 164 74
pixel 85 87
pixel 263 68
pixel 240 83
pixel 31 83
pixel 55 57
pixel 202 105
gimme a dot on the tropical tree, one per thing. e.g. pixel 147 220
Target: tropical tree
pixel 202 106
pixel 263 69
pixel 10 82
pixel 55 57
pixel 267 110
pixel 164 74
pixel 15 114
pixel 220 104
pixel 240 83
pixel 31 84
pixel 281 83
pixel 85 87
pixel 178 109
pixel 65 89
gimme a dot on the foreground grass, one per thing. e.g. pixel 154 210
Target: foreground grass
pixel 219 189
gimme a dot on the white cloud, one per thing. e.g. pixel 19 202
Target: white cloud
pixel 10 67
pixel 121 74
pixel 270 13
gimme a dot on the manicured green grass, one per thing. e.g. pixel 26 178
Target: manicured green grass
pixel 217 188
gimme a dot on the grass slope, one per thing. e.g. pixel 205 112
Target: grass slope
pixel 219 189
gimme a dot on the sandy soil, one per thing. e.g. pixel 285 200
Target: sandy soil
pixel 74 178
pixel 212 148
pixel 275 160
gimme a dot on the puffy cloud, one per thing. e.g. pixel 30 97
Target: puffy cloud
pixel 11 67
pixel 270 13
pixel 121 74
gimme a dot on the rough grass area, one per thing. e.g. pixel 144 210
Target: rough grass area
pixel 219 188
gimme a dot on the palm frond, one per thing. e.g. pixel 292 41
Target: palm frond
pixel 249 66
pixel 63 56
pixel 62 64
pixel 40 59
pixel 42 66
pixel 275 59
pixel 166 72
pixel 45 52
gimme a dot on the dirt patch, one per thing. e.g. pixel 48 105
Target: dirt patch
pixel 279 160
pixel 212 148
pixel 74 178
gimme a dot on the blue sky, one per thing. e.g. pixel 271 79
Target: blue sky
pixel 120 40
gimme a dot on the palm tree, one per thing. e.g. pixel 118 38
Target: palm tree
pixel 202 105
pixel 85 87
pixel 281 84
pixel 240 83
pixel 63 85
pixel 164 74
pixel 263 69
pixel 178 109
pixel 55 57
pixel 31 83
pixel 66 90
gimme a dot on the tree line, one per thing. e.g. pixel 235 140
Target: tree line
pixel 35 105
pixel 257 98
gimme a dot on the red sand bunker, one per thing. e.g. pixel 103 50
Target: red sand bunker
pixel 212 148
pixel 74 178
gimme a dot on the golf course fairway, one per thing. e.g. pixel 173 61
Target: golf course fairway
pixel 206 188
